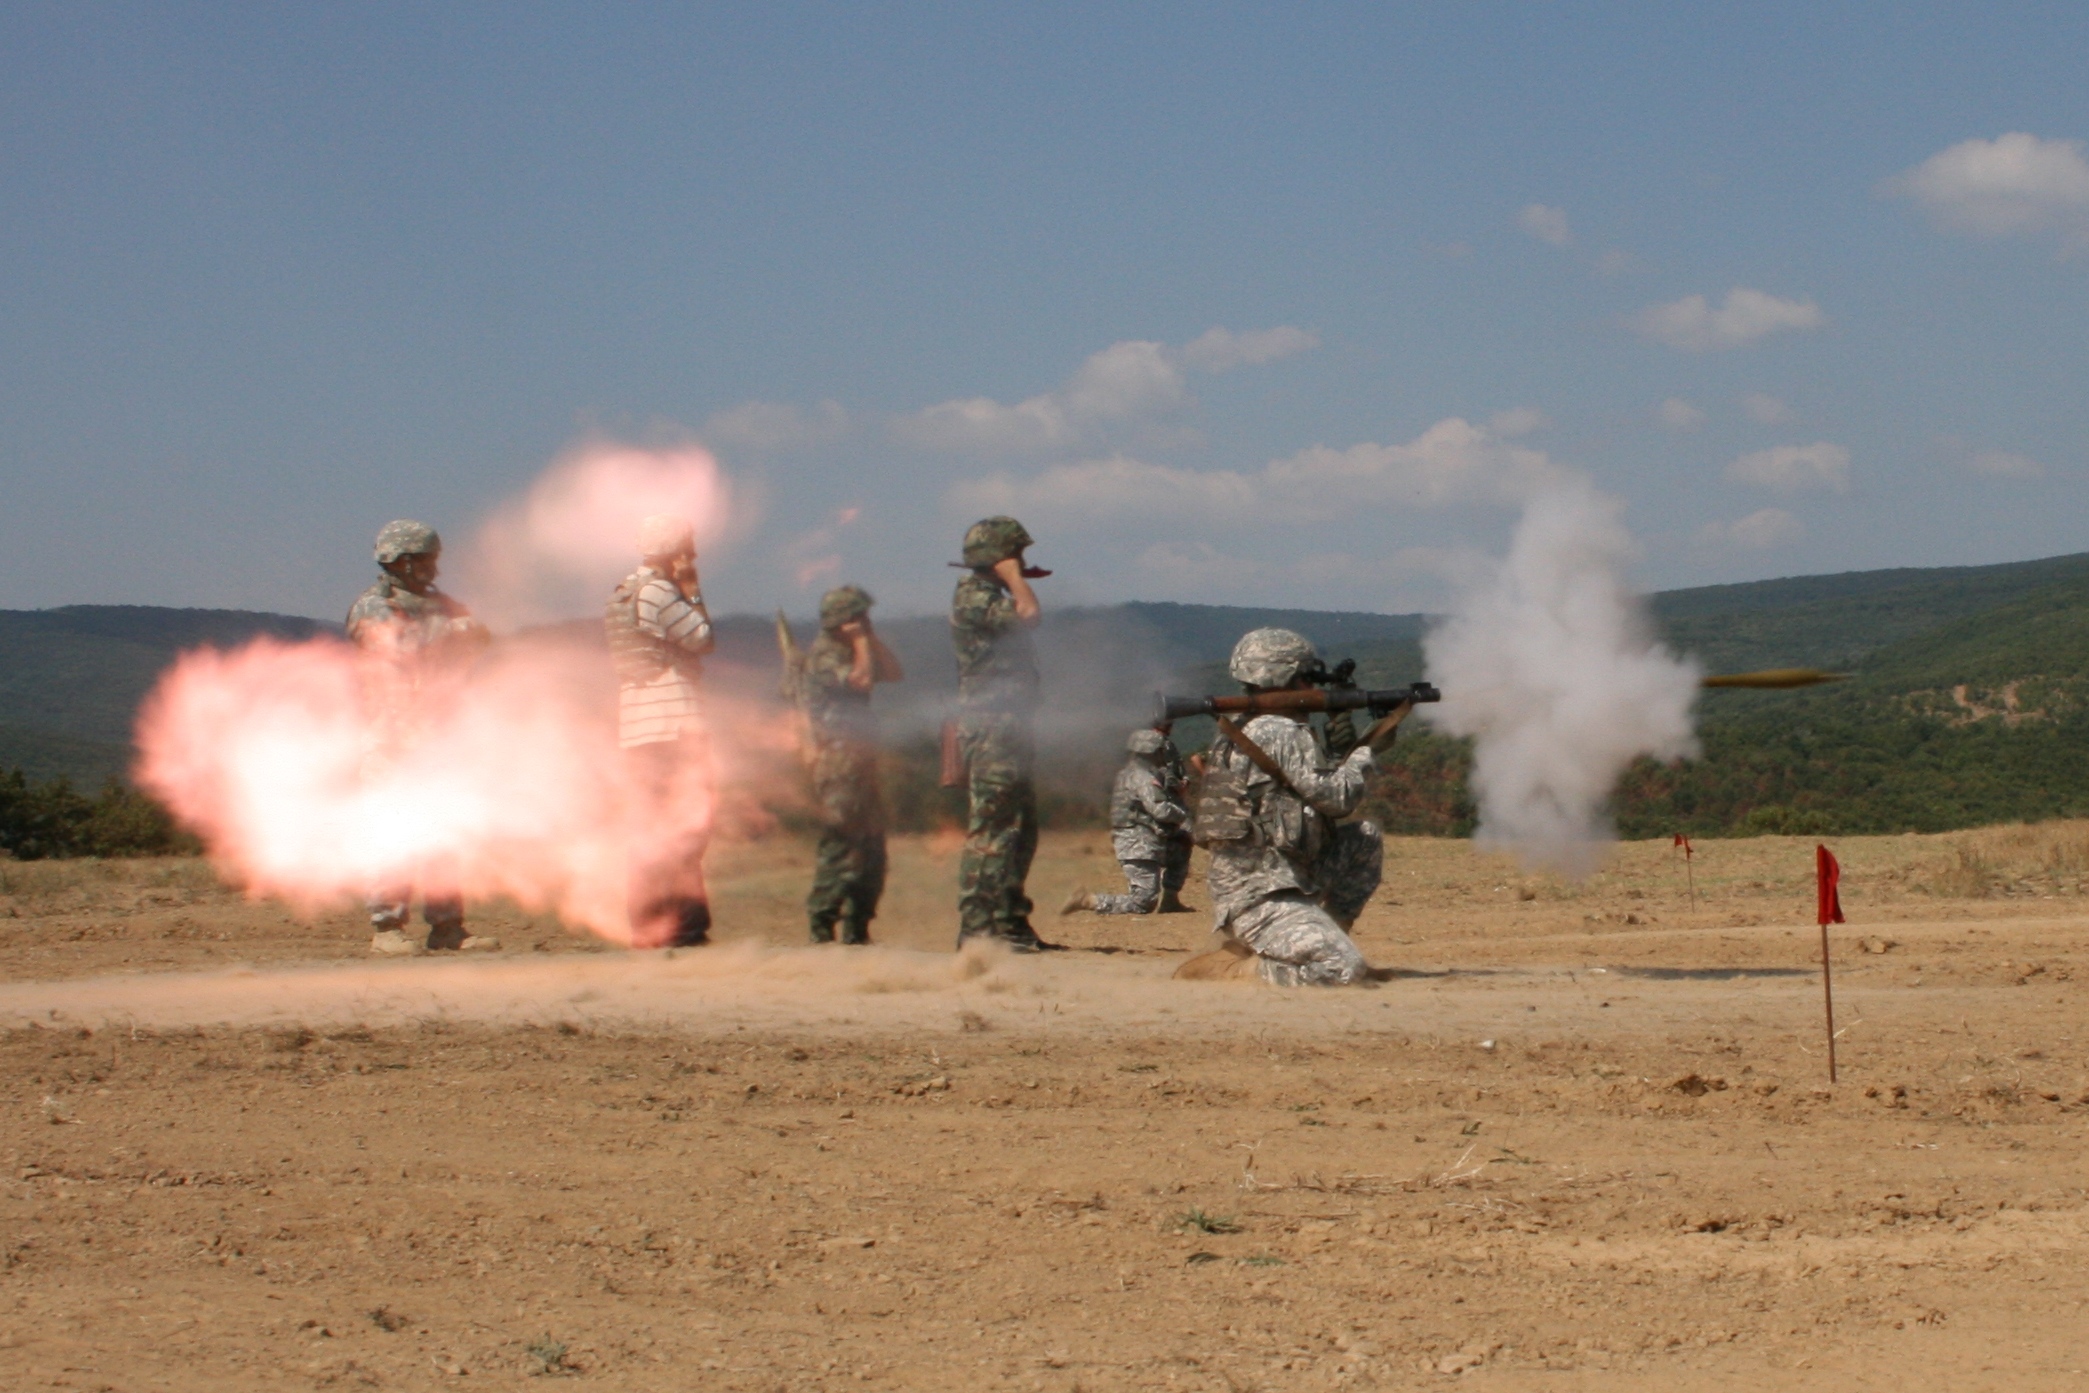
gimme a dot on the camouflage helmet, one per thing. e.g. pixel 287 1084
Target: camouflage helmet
pixel 843 603
pixel 664 534
pixel 990 541
pixel 1148 742
pixel 405 537
pixel 1270 657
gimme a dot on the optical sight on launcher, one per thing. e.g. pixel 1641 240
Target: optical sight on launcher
pixel 1330 698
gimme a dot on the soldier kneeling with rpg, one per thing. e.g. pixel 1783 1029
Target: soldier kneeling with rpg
pixel 1287 876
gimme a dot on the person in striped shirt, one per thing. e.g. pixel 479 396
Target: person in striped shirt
pixel 659 632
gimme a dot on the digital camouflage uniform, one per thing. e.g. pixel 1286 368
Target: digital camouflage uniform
pixel 1272 890
pixel 1147 819
pixel 412 643
pixel 1175 854
pixel 997 694
pixel 849 871
pixel 1291 885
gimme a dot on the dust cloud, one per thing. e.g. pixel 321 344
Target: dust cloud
pixel 513 786
pixel 1551 665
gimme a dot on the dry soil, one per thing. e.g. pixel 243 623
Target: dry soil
pixel 1588 1141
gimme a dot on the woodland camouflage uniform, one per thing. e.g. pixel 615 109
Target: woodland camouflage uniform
pixel 849 870
pixel 997 695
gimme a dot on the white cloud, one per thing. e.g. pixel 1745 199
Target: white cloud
pixel 2013 185
pixel 1129 383
pixel 1759 531
pixel 1546 224
pixel 1220 350
pixel 777 425
pixel 1200 568
pixel 1747 315
pixel 2004 465
pixel 1519 420
pixel 1766 409
pixel 1453 461
pixel 1792 467
pixel 1677 414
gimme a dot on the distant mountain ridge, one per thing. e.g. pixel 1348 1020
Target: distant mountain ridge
pixel 1970 700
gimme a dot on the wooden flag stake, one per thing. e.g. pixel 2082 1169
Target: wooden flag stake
pixel 1689 873
pixel 1827 884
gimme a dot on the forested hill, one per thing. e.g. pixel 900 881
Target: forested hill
pixel 71 678
pixel 1969 701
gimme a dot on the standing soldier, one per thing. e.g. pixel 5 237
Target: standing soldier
pixel 413 637
pixel 1145 816
pixel 659 632
pixel 839 670
pixel 1281 878
pixel 991 616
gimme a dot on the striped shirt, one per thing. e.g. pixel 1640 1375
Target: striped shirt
pixel 668 705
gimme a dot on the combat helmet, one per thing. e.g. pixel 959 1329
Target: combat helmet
pixel 990 541
pixel 405 537
pixel 1146 741
pixel 843 603
pixel 1271 657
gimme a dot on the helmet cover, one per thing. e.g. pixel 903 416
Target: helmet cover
pixel 843 603
pixel 990 541
pixel 405 537
pixel 1270 657
pixel 1146 741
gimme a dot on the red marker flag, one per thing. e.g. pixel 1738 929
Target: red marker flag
pixel 1828 876
pixel 1683 842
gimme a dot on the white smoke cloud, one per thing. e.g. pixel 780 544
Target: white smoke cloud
pixel 1545 223
pixel 1127 384
pixel 2015 185
pixel 1550 665
pixel 1745 316
pixel 557 549
pixel 1789 468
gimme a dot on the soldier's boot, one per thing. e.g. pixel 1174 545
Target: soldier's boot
pixel 823 930
pixel 445 924
pixel 855 933
pixel 1171 903
pixel 692 925
pixel 1231 961
pixel 1077 902
pixel 388 929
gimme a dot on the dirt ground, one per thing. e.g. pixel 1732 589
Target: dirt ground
pixel 1588 1142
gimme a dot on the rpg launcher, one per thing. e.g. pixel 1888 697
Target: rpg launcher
pixel 1380 703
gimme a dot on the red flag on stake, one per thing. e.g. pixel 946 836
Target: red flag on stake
pixel 1689 875
pixel 1827 874
pixel 1684 842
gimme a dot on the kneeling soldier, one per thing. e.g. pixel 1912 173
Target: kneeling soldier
pixel 1145 817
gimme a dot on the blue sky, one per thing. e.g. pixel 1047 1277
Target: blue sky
pixel 272 275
